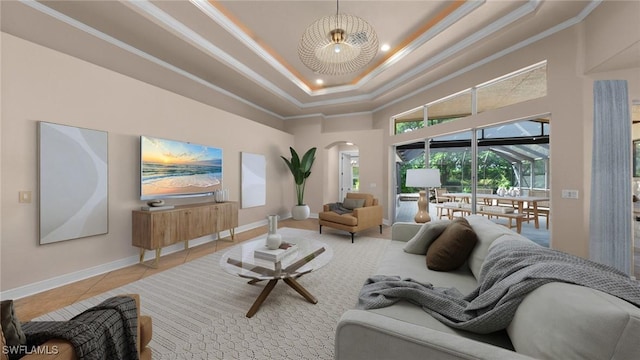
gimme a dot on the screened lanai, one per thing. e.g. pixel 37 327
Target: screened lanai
pixel 511 156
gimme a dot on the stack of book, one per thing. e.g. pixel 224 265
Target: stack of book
pixel 276 254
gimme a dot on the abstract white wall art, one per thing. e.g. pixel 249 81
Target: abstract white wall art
pixel 254 180
pixel 73 182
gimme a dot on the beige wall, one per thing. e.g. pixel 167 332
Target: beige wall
pixel 43 85
pixel 612 29
pixel 322 184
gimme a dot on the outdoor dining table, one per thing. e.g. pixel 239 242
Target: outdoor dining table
pixel 519 200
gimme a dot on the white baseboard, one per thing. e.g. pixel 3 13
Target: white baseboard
pixel 57 281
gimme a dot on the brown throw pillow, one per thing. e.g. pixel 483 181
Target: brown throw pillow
pixel 11 327
pixel 452 248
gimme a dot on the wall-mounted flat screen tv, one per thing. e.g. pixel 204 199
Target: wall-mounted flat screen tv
pixel 171 168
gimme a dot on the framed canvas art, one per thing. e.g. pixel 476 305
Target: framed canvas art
pixel 254 180
pixel 73 164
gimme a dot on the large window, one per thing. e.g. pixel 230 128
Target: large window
pixel 508 155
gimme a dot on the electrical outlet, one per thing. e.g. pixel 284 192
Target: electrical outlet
pixel 569 194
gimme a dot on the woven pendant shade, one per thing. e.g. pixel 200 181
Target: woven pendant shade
pixel 338 44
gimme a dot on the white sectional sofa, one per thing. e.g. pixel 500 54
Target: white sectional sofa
pixel 556 321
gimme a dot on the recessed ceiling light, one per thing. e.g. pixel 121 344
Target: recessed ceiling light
pixel 385 47
pixel 349 143
pixel 319 82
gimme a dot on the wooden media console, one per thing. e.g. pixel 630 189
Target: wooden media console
pixel 153 230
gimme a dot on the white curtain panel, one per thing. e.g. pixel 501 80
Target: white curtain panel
pixel 611 216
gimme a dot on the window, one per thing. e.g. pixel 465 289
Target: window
pixel 409 121
pixel 527 84
pixel 449 109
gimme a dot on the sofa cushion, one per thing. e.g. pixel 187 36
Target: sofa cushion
pixel 428 232
pixel 11 327
pixel 344 219
pixel 399 263
pixel 565 321
pixel 452 248
pixel 353 203
pixel 487 232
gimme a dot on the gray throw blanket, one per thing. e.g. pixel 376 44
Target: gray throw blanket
pixel 511 270
pixel 339 208
pixel 106 331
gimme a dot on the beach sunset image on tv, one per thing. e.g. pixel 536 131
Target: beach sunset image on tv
pixel 175 168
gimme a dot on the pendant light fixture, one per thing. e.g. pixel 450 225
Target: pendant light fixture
pixel 338 44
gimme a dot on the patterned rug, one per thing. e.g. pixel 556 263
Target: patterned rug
pixel 199 310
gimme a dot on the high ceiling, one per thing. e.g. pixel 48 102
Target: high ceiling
pixel 220 52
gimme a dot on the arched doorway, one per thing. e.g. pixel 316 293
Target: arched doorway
pixel 343 170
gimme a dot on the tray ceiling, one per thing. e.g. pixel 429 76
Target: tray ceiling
pixel 247 50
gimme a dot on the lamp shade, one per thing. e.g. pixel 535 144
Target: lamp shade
pixel 423 178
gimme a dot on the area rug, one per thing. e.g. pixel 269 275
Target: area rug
pixel 199 310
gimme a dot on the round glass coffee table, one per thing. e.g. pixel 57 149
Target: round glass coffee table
pixel 306 256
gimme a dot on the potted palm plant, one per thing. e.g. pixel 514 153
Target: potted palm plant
pixel 300 169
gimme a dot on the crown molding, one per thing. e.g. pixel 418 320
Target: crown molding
pixel 170 23
pixel 135 51
pixel 218 17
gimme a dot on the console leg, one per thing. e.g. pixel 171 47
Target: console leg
pixel 158 250
pixel 320 229
pixel 380 228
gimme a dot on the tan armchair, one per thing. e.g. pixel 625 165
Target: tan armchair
pixel 361 218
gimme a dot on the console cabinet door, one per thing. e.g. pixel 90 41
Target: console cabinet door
pixel 155 230
pixel 196 222
pixel 227 216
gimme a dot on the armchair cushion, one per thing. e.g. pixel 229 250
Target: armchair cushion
pixel 353 203
pixel 344 219
pixel 368 198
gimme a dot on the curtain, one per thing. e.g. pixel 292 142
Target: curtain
pixel 611 216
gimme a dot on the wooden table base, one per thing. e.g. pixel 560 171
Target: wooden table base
pixel 269 287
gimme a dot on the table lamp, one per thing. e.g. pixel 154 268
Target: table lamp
pixel 423 178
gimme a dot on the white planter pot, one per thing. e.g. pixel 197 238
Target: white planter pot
pixel 300 212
